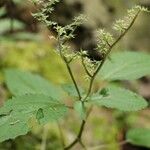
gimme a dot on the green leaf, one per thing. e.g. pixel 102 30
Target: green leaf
pixel 21 83
pixel 16 113
pixel 126 66
pixel 13 125
pixel 70 90
pixel 120 99
pixel 80 109
pixel 139 136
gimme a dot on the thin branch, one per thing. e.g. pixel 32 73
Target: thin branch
pixel 85 68
pixel 68 68
pixel 79 136
pixel 72 58
pixel 108 43
pixel 73 79
pixel 78 139
pixel 108 52
pixel 83 146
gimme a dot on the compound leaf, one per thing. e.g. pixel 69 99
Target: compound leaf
pixel 126 66
pixel 119 98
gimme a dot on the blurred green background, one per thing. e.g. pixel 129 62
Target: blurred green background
pixel 25 44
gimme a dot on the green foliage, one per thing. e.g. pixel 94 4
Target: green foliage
pixel 126 66
pixel 38 100
pixel 17 112
pixel 139 136
pixel 35 98
pixel 34 57
pixel 80 109
pixel 120 99
pixel 70 90
pixel 21 83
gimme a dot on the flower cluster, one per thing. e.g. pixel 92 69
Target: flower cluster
pixel 122 24
pixel 45 8
pixel 67 32
pixel 43 15
pixel 105 40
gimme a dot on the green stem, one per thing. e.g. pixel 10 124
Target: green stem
pixel 78 139
pixel 73 79
pixel 79 136
pixel 68 68
pixel 85 68
pixel 108 52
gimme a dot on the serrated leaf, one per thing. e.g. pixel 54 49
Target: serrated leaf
pixel 21 83
pixel 120 99
pixel 139 136
pixel 126 66
pixel 16 113
pixel 70 90
pixel 80 109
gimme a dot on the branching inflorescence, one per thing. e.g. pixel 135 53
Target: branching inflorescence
pixel 105 43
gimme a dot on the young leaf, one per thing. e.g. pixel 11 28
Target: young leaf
pixel 120 99
pixel 16 113
pixel 78 107
pixel 70 90
pixel 21 83
pixel 139 136
pixel 126 66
